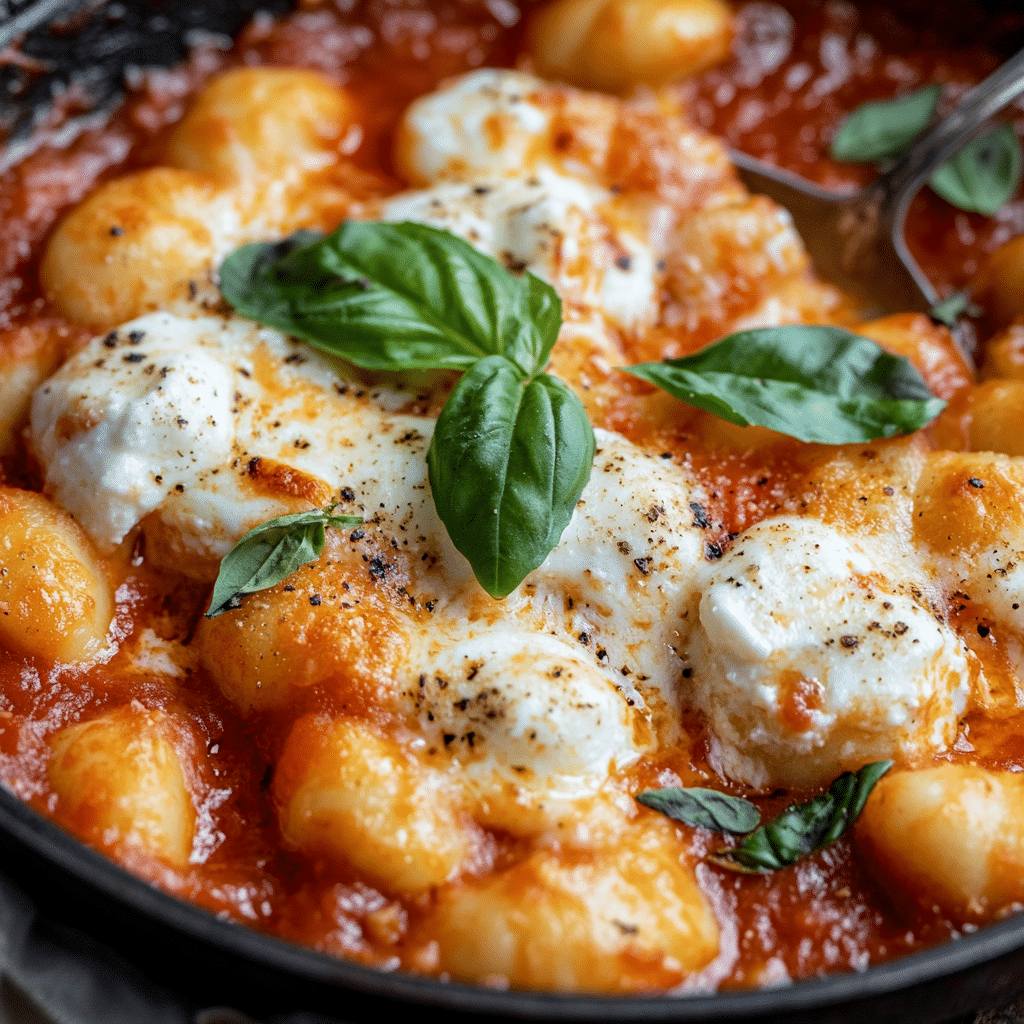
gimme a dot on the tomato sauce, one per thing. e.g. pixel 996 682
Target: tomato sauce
pixel 799 66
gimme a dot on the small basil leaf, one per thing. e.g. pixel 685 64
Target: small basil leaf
pixel 508 462
pixel 818 384
pixel 270 553
pixel 983 175
pixel 804 828
pixel 704 807
pixel 395 297
pixel 879 131
pixel 951 308
pixel 545 309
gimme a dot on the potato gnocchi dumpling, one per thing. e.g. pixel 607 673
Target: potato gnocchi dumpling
pixel 255 125
pixel 608 920
pixel 617 45
pixel 252 159
pixel 120 781
pixel 949 838
pixel 57 600
pixel 350 793
pixel 997 285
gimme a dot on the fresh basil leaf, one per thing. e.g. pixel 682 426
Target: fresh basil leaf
pixel 983 175
pixel 951 308
pixel 508 462
pixel 882 130
pixel 804 828
pixel 395 297
pixel 704 807
pixel 270 553
pixel 819 384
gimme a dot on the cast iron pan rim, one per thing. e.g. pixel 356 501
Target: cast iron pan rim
pixel 44 839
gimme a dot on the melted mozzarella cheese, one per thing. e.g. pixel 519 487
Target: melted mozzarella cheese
pixel 609 605
pixel 486 122
pixel 120 427
pixel 807 661
pixel 551 225
pixel 567 728
pixel 483 146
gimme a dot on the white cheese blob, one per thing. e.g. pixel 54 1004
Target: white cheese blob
pixel 482 144
pixel 483 122
pixel 529 709
pixel 551 225
pixel 808 661
pixel 130 418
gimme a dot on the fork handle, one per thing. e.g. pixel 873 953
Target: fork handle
pixel 967 119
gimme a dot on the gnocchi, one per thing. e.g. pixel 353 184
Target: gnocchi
pixel 950 838
pixel 119 780
pixel 617 45
pixel 57 600
pixel 347 792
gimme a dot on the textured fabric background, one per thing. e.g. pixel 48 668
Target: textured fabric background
pixel 50 974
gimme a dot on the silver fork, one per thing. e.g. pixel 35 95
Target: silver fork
pixel 856 240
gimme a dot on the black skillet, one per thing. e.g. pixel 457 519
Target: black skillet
pixel 214 962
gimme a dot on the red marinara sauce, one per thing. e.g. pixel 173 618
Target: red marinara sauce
pixel 798 67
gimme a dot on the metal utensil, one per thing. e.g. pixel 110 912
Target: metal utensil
pixel 856 240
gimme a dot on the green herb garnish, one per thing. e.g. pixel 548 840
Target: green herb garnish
pixel 979 179
pixel 270 553
pixel 508 461
pixel 704 807
pixel 881 130
pixel 513 448
pixel 949 309
pixel 818 384
pixel 804 828
pixel 395 297
pixel 983 175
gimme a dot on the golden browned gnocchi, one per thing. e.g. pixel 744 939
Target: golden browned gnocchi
pixel 985 417
pixel 997 285
pixel 349 792
pixel 604 920
pixel 260 655
pixel 255 125
pixel 617 45
pixel 950 838
pixel 120 780
pixel 254 157
pixel 57 600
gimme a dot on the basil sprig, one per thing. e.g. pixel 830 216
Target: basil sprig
pixel 948 310
pixel 804 828
pixel 270 553
pixel 707 808
pixel 983 175
pixel 395 297
pixel 819 384
pixel 508 461
pixel 979 179
pixel 513 448
pixel 881 130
